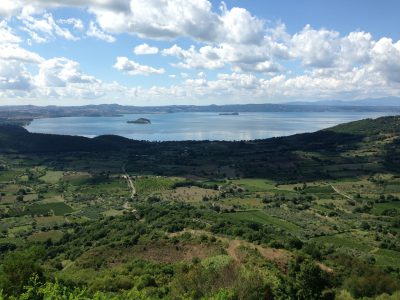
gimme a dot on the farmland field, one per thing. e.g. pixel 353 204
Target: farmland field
pixel 52 176
pixel 58 208
pixel 263 218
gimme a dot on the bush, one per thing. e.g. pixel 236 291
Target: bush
pixel 17 269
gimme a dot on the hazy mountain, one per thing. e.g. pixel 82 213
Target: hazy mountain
pixel 388 101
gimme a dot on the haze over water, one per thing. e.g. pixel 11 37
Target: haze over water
pixel 199 126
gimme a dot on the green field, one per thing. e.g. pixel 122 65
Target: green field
pixel 153 184
pixel 387 258
pixel 52 176
pixel 345 240
pixel 379 208
pixel 255 185
pixel 262 218
pixel 58 208
pixel 53 235
pixel 6 176
pixel 77 178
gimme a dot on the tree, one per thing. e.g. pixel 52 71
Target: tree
pixel 17 269
pixel 309 280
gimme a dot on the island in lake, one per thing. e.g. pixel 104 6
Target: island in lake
pixel 140 121
pixel 229 114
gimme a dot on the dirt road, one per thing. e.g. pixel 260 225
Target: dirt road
pixel 129 181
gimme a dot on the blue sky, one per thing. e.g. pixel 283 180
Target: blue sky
pixel 162 52
pixel 377 17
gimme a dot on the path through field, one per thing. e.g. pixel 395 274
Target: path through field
pixel 341 193
pixel 129 181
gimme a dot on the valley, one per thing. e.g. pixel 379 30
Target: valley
pixel 310 216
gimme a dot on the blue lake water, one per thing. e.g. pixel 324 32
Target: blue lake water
pixel 199 126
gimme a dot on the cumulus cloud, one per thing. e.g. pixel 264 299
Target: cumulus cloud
pixel 97 33
pixel 58 72
pixel 161 19
pixel 14 52
pixel 322 48
pixel 43 28
pixel 261 67
pixel 10 48
pixel 133 68
pixel 254 59
pixel 240 27
pixel 386 59
pixel 14 76
pixel 316 48
pixel 9 8
pixel 238 57
pixel 355 48
pixel 206 58
pixel 144 49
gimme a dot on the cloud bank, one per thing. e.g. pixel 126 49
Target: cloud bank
pixel 251 59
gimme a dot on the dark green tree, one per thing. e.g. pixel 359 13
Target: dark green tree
pixel 308 280
pixel 17 269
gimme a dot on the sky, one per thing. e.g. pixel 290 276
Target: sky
pixel 170 52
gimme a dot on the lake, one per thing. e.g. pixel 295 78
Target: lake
pixel 199 126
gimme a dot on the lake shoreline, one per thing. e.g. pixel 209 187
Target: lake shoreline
pixel 198 126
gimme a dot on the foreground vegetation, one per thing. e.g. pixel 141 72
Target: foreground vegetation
pixel 312 216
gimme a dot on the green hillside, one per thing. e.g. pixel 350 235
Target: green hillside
pixel 309 216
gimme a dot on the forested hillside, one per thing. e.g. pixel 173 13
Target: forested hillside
pixel 309 216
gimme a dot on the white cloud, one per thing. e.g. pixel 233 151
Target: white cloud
pixel 42 29
pixel 133 68
pixel 144 49
pixel 327 49
pixel 205 58
pixel 188 18
pixel 14 52
pixel 59 72
pixel 170 19
pixel 6 34
pixel 240 27
pixel 14 76
pixel 74 22
pixel 160 19
pixel 386 59
pixel 96 32
pixel 260 67
pixel 327 63
pixel 355 48
pixel 246 58
pixel 9 8
pixel 11 51
pixel 316 48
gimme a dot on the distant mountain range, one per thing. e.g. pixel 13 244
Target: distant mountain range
pixel 388 101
